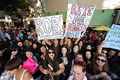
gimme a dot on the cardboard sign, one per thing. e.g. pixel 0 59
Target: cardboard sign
pixel 49 27
pixel 113 38
pixel 30 65
pixel 78 19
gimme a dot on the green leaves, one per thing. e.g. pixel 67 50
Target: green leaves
pixel 11 6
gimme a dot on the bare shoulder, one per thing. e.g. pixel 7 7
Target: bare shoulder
pixel 27 75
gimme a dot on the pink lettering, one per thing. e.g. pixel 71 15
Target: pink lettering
pixel 73 11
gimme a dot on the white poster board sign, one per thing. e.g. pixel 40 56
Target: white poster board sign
pixel 49 27
pixel 78 19
pixel 113 38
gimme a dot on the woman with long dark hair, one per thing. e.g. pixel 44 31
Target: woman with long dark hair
pixel 65 57
pixel 56 66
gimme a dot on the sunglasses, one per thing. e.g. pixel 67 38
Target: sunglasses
pixel 81 62
pixel 102 60
pixel 51 52
pixel 104 52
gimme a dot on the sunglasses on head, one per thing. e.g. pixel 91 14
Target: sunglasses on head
pixel 102 60
pixel 104 52
pixel 81 62
pixel 51 52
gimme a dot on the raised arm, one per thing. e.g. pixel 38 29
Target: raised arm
pixel 76 42
pixel 100 47
pixel 48 42
pixel 61 42
pixel 61 70
pixel 65 40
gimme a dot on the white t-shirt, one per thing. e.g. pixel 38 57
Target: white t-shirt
pixel 71 78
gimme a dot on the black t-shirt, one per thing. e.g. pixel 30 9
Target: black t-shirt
pixel 42 63
pixel 46 66
pixel 89 70
pixel 115 68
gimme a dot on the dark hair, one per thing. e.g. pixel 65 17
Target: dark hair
pixel 23 54
pixel 56 49
pixel 6 54
pixel 85 58
pixel 40 50
pixel 13 64
pixel 16 47
pixel 14 41
pixel 67 53
pixel 1 45
pixel 55 60
pixel 79 64
pixel 6 44
pixel 79 54
pixel 6 38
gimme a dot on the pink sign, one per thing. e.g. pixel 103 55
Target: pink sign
pixel 30 65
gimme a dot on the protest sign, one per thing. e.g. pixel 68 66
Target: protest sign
pixel 30 65
pixel 113 38
pixel 78 19
pixel 49 27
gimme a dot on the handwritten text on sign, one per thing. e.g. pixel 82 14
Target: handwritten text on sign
pixel 49 27
pixel 78 18
pixel 113 38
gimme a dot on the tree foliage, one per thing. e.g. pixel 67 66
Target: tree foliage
pixel 11 6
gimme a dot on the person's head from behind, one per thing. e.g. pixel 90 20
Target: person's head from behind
pixel 79 56
pixel 13 66
pixel 79 70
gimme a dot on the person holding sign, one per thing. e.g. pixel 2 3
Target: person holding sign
pixel 56 45
pixel 57 66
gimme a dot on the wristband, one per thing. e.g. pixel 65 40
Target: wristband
pixel 42 70
pixel 95 77
pixel 99 46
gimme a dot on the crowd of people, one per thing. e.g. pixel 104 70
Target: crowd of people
pixel 59 59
